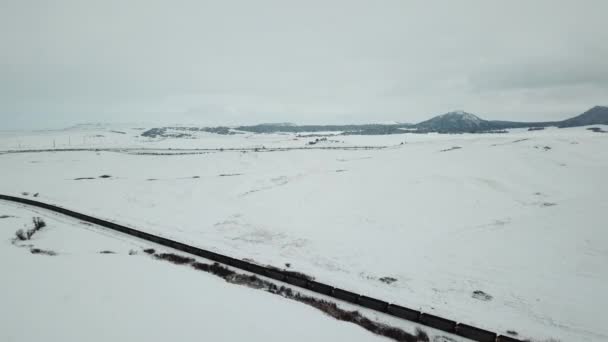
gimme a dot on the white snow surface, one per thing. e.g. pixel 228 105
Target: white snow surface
pixel 520 216
pixel 81 294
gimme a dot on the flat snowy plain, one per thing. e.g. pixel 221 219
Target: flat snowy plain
pixel 519 216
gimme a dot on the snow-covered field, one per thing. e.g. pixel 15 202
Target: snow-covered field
pixel 84 295
pixel 518 216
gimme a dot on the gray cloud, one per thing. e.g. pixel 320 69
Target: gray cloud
pixel 316 61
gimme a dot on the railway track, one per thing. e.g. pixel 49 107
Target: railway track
pixel 433 321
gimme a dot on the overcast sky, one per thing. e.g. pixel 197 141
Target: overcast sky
pixel 331 61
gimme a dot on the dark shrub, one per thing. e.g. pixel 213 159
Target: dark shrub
pixel 174 258
pixel 220 270
pixel 21 235
pixel 200 266
pixel 42 251
pixel 38 223
pixel 478 294
pixel 388 280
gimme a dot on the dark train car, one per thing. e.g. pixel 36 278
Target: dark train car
pixel 474 333
pixel 438 322
pixel 373 303
pixel 403 312
pixel 346 296
pixel 320 288
pixel 296 281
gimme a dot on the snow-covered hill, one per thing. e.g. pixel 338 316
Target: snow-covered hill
pixel 594 116
pixel 454 121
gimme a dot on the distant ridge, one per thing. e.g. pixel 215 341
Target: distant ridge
pixel 462 122
pixel 597 115
pixel 452 122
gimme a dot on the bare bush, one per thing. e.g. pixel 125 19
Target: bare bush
pixel 27 235
pixel 388 280
pixel 21 235
pixel 38 223
pixel 174 258
pixel 478 294
pixel 42 251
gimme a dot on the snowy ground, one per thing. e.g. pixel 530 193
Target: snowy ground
pixel 101 286
pixel 519 216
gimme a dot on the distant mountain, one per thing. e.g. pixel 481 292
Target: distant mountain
pixel 597 115
pixel 458 121
pixel 463 122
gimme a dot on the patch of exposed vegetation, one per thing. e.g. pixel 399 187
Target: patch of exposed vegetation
pixel 329 308
pixel 174 258
pixel 481 296
pixel 451 149
pixel 292 273
pixel 597 130
pixel 42 251
pixel 27 235
pixel 388 280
